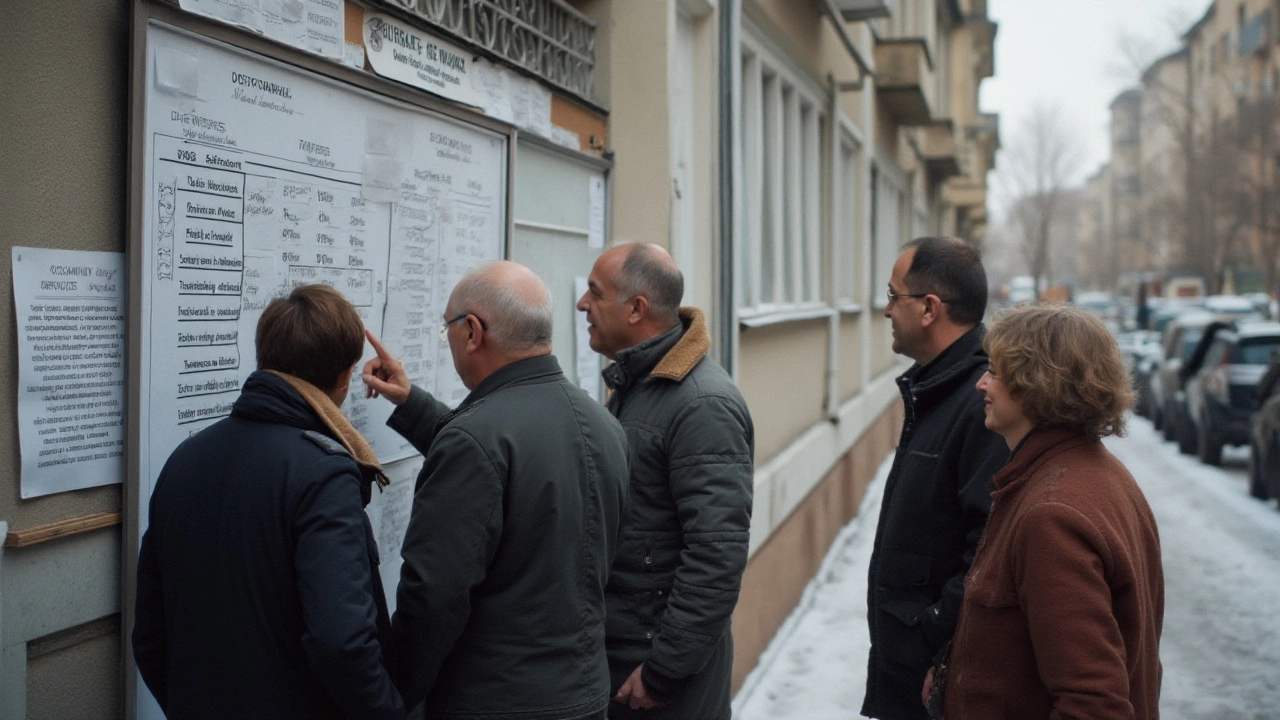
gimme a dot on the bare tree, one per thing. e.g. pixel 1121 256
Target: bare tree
pixel 1040 165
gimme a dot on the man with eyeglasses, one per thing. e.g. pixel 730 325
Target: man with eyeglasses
pixel 515 518
pixel 937 495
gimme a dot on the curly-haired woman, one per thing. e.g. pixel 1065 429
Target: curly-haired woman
pixel 1064 602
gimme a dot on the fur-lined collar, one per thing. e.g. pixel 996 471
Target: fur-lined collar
pixel 692 347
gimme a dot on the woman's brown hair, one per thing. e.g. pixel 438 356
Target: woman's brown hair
pixel 1063 365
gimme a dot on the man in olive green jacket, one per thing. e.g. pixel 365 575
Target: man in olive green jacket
pixel 500 608
pixel 683 546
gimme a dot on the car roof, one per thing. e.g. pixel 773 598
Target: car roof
pixel 1228 304
pixel 1194 319
pixel 1257 329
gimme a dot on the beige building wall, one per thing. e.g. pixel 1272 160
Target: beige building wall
pixel 64 119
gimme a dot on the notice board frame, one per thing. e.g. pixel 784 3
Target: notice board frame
pixel 144 13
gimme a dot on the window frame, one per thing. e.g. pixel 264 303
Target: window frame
pixel 783 148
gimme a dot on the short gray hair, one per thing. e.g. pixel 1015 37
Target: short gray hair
pixel 648 272
pixel 518 319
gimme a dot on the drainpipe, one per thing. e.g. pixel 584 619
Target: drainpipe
pixel 730 77
pixel 833 182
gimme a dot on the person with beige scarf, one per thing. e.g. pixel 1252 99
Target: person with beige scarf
pixel 258 589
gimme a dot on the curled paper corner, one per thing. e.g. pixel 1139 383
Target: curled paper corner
pixel 177 73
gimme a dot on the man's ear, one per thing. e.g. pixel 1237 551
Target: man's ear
pixel 933 309
pixel 637 309
pixel 475 333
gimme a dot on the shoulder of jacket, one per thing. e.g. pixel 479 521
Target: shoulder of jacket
pixel 326 443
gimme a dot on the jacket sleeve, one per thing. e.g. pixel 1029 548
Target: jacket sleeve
pixel 710 473
pixel 416 418
pixel 331 562
pixel 982 453
pixel 453 533
pixel 150 639
pixel 1060 568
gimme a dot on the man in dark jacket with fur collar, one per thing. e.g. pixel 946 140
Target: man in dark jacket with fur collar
pixel 683 547
pixel 938 494
pixel 258 588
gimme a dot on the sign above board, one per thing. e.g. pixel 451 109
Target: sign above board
pixel 408 55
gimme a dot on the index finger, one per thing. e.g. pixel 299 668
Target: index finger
pixel 377 345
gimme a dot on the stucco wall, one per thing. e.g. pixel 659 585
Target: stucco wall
pixel 782 374
pixel 850 354
pixel 64 118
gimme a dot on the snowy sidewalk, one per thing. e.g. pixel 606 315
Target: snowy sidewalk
pixel 1221 642
pixel 816 666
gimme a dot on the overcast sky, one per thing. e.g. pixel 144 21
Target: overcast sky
pixel 1072 54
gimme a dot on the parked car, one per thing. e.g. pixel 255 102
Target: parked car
pixel 1141 350
pixel 1179 420
pixel 1172 310
pixel 1177 343
pixel 1222 394
pixel 1099 303
pixel 1264 436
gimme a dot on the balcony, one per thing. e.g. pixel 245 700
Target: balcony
pixel 859 10
pixel 903 71
pixel 939 150
pixel 965 192
pixel 984 40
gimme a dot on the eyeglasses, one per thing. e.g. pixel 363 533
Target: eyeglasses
pixel 895 297
pixel 444 329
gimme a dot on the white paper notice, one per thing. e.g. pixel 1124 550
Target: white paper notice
pixel 595 227
pixel 493 90
pixel 245 13
pixel 588 362
pixel 312 25
pixel 70 309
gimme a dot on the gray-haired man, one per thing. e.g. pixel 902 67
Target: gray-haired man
pixel 500 609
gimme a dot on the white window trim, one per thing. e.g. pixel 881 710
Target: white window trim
pixel 794 204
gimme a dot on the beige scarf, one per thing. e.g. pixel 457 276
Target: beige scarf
pixel 339 427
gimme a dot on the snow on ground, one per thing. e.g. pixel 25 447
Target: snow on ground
pixel 816 666
pixel 1221 642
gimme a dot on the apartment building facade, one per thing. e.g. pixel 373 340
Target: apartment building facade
pixel 1210 109
pixel 783 150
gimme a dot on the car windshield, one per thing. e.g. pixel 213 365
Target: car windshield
pixel 1255 352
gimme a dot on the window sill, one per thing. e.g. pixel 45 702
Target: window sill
pixel 756 317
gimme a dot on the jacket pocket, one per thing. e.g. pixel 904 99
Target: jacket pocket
pixel 904 571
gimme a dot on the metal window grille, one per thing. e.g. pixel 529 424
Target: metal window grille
pixel 545 37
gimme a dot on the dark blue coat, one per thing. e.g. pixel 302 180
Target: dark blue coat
pixel 258 590
pixel 936 502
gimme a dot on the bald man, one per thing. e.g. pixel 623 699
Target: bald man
pixel 500 609
pixel 683 545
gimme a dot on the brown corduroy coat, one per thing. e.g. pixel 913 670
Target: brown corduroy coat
pixel 1064 602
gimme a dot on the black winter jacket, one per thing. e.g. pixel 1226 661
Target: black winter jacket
pixel 500 609
pixel 936 502
pixel 258 590
pixel 683 549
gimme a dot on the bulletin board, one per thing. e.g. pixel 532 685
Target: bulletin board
pixel 252 175
pixel 260 161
